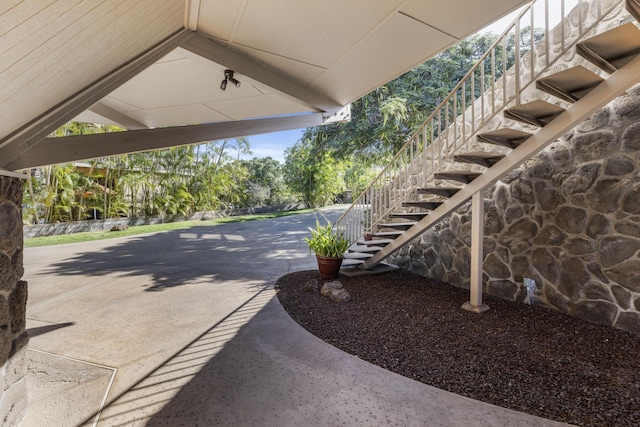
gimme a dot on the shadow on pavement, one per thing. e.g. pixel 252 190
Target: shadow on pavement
pixel 255 249
pixel 40 330
pixel 138 404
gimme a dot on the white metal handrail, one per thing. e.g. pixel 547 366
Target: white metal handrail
pixel 495 82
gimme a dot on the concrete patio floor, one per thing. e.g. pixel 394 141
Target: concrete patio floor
pixel 183 328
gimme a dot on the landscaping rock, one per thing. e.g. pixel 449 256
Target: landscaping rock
pixel 339 295
pixel 312 285
pixel 330 286
pixel 119 227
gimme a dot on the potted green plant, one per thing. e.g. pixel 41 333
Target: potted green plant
pixel 329 247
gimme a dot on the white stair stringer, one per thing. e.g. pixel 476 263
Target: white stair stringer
pixel 614 86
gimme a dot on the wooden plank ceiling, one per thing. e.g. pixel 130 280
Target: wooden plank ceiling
pixel 67 59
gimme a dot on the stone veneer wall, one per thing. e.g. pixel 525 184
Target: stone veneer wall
pixel 13 301
pixel 569 219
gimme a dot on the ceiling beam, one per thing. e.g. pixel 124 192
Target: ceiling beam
pixel 81 147
pixel 220 54
pixel 32 133
pixel 116 116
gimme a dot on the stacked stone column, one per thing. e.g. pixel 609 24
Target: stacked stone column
pixel 13 301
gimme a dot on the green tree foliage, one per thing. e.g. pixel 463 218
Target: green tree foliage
pixel 313 173
pixel 266 183
pixel 382 120
pixel 174 181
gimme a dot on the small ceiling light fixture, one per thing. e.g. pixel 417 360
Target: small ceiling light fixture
pixel 228 77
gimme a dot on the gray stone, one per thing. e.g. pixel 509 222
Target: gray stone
pixel 312 286
pixel 501 196
pixel 629 321
pixel 541 167
pixel 18 308
pixel 438 272
pixel 455 224
pixel 597 121
pixel 462 262
pixel 446 257
pixel 7 273
pixel 339 295
pixel 573 276
pixel 11 189
pixel 593 145
pixel 5 313
pixel 555 299
pixel 447 236
pixel 465 234
pixel 598 225
pixel 545 264
pixel 626 274
pixel 488 246
pixel 571 219
pixel 616 249
pixel 636 303
pixel 547 196
pixel 454 279
pixel 11 230
pixel 19 343
pixel 579 200
pixel 550 235
pixel 495 268
pixel 513 213
pixel 606 193
pixel 504 289
pixel 596 270
pixel 631 138
pixel 522 191
pixel 430 238
pixel 503 253
pixel 597 291
pixel 512 176
pixel 119 227
pixel 596 311
pixel 623 296
pixel 430 257
pixel 560 154
pixel 627 107
pixel 628 228
pixel 330 286
pixel 631 201
pixel 581 179
pixel 520 268
pixel 580 246
pixel 518 236
pixel 618 165
pixel 16 263
pixel 494 222
pixel 5 330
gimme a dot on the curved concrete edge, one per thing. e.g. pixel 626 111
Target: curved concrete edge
pixel 274 372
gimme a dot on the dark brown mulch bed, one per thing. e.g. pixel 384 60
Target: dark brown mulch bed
pixel 525 358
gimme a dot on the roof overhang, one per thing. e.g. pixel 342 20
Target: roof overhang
pixel 159 64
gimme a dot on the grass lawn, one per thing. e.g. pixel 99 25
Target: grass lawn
pixel 143 229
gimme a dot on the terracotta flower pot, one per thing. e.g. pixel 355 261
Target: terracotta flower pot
pixel 329 267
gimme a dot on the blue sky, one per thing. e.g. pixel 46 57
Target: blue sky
pixel 273 144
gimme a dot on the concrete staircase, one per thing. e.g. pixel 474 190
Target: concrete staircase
pixel 392 214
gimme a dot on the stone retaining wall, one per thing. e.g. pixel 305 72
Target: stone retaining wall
pixel 569 219
pixel 13 302
pixel 107 224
